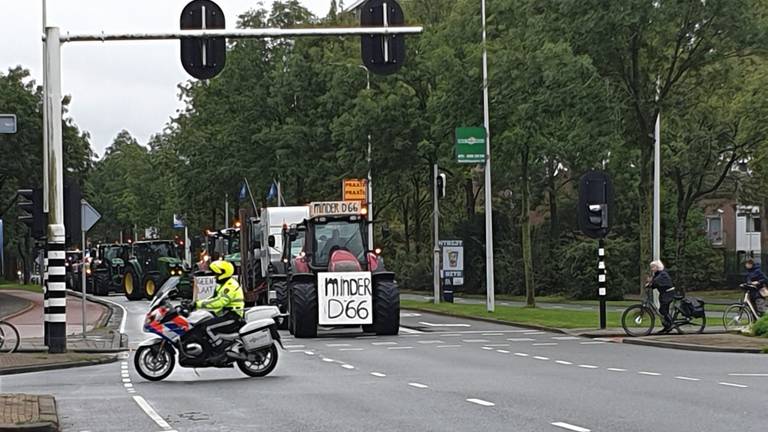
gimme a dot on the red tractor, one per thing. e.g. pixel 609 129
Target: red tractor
pixel 336 280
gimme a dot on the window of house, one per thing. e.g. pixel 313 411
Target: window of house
pixel 715 230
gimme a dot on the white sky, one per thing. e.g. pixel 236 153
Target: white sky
pixel 114 85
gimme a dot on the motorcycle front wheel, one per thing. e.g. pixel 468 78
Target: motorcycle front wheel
pixel 262 365
pixel 154 363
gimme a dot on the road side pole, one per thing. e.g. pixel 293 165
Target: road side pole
pixel 83 277
pixel 490 292
pixel 601 280
pixel 436 235
pixel 56 310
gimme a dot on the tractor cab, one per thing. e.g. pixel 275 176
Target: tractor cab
pixel 106 268
pixel 151 263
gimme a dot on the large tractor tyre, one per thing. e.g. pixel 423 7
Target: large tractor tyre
pixel 386 308
pixel 151 284
pixel 100 283
pixel 281 297
pixel 132 286
pixel 304 309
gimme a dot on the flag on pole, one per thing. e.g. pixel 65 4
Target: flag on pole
pixel 243 191
pixel 272 192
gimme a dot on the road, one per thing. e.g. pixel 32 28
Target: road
pixel 440 374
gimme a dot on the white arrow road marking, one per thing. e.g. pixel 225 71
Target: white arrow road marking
pixel 418 385
pixel 147 408
pixel 443 325
pixel 481 402
pixel 570 427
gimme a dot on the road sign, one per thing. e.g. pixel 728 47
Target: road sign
pixel 345 298
pixel 7 124
pixel 470 145
pixel 178 222
pixel 88 216
pixel 382 55
pixel 355 190
pixel 203 58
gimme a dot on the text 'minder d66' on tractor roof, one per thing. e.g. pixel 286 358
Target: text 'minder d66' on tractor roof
pixel 334 208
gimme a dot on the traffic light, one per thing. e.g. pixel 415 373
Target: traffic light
pixel 72 210
pixel 441 182
pixel 382 54
pixel 595 199
pixel 203 58
pixel 30 205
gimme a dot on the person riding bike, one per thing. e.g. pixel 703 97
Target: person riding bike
pixel 662 282
pixel 757 279
pixel 227 303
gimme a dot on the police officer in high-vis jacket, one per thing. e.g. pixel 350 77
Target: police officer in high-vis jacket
pixel 227 303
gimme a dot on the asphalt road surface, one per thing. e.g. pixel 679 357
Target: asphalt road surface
pixel 440 374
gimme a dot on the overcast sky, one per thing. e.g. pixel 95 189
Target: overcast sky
pixel 114 85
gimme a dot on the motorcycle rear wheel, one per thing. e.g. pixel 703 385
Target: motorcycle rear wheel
pixel 263 365
pixel 154 363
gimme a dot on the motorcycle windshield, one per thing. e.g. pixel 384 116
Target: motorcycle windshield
pixel 165 290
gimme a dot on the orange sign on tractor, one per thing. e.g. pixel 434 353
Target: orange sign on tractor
pixel 355 190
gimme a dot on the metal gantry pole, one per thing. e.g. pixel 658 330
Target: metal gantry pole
pixel 602 290
pixel 436 237
pixel 56 309
pixel 489 283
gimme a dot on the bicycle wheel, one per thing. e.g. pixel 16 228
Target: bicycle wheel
pixel 736 318
pixel 9 338
pixel 689 325
pixel 638 320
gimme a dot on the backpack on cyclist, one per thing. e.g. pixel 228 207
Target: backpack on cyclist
pixel 692 307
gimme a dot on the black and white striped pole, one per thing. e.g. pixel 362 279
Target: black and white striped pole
pixel 602 290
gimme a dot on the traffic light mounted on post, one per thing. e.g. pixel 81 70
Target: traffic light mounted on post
pixel 72 210
pixel 441 183
pixel 30 205
pixel 595 199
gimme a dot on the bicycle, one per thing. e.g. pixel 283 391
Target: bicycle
pixel 741 315
pixel 9 338
pixel 640 319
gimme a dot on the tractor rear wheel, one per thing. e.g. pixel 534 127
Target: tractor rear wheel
pixel 386 308
pixel 304 309
pixel 132 286
pixel 151 284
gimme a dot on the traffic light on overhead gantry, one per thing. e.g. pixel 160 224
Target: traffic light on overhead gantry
pixel 382 54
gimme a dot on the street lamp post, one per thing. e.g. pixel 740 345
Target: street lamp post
pixel 369 183
pixel 489 283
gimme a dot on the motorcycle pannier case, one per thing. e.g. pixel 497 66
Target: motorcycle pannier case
pixel 256 335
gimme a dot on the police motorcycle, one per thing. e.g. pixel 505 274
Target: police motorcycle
pixel 172 328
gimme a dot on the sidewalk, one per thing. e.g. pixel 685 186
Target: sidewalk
pixel 30 322
pixel 724 342
pixel 29 413
pixel 17 363
pixel 11 305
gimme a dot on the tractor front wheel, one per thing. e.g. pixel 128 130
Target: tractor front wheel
pixel 281 297
pixel 151 284
pixel 386 308
pixel 100 281
pixel 303 309
pixel 132 286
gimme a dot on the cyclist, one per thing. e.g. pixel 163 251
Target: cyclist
pixel 757 279
pixel 662 282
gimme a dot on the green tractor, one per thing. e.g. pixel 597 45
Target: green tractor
pixel 107 268
pixel 150 265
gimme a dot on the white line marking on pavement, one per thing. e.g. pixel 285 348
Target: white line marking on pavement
pixel 541 358
pixel 336 345
pixel 309 353
pixel 563 362
pixel 383 343
pixel 431 342
pixel 570 427
pixel 443 325
pixel 497 345
pixel 296 351
pixel 534 333
pixel 399 348
pixel 502 351
pixel 685 378
pixel 127 385
pixel 487 348
pixel 564 338
pixel 351 349
pixel 449 346
pixel 378 374
pixel 521 354
pixel 365 337
pixel 616 369
pixel 418 385
pixel 410 331
pixel 328 360
pixel 147 408
pixel 545 344
pixel 475 340
pixel 748 374
pixel 451 335
pixel 294 346
pixel 592 343
pixel 347 366
pixel 732 385
pixel 126 380
pixel 481 402
pixel 586 366
pixel 649 373
pixel 521 339
pixel 493 334
pixel 125 315
pixel 410 314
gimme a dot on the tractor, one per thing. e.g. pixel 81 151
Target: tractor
pixel 336 280
pixel 107 268
pixel 151 263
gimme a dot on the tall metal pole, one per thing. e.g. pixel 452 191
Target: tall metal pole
pixel 601 281
pixel 489 285
pixel 436 237
pixel 83 277
pixel 56 311
pixel 657 191
pixel 226 210
pixel 370 177
pixel 44 271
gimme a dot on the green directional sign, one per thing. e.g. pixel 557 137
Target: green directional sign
pixel 470 145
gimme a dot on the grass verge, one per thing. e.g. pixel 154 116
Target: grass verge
pixel 30 288
pixel 564 319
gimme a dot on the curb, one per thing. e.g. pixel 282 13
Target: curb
pixel 55 366
pixel 690 347
pixel 23 310
pixel 104 319
pixel 493 321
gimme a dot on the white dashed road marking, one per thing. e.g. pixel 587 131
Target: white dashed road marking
pixel 727 384
pixel 328 360
pixel 431 342
pixel 685 378
pixel 309 353
pixel 649 373
pixel 565 338
pixel 487 348
pixel 563 362
pixel 748 374
pixel 475 340
pixel 571 427
pixel 294 346
pixel 410 331
pixel 592 343
pixel 493 334
pixel 616 369
pixel 147 408
pixel 400 348
pixel 347 366
pixel 336 345
pixel 545 344
pixel 502 351
pixel 418 385
pixel 383 343
pixel 449 346
pixel 541 358
pixel 443 325
pixel 586 366
pixel 378 374
pixel 481 402
pixel 497 345
pixel 521 339
pixel 521 354
pixel 351 349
